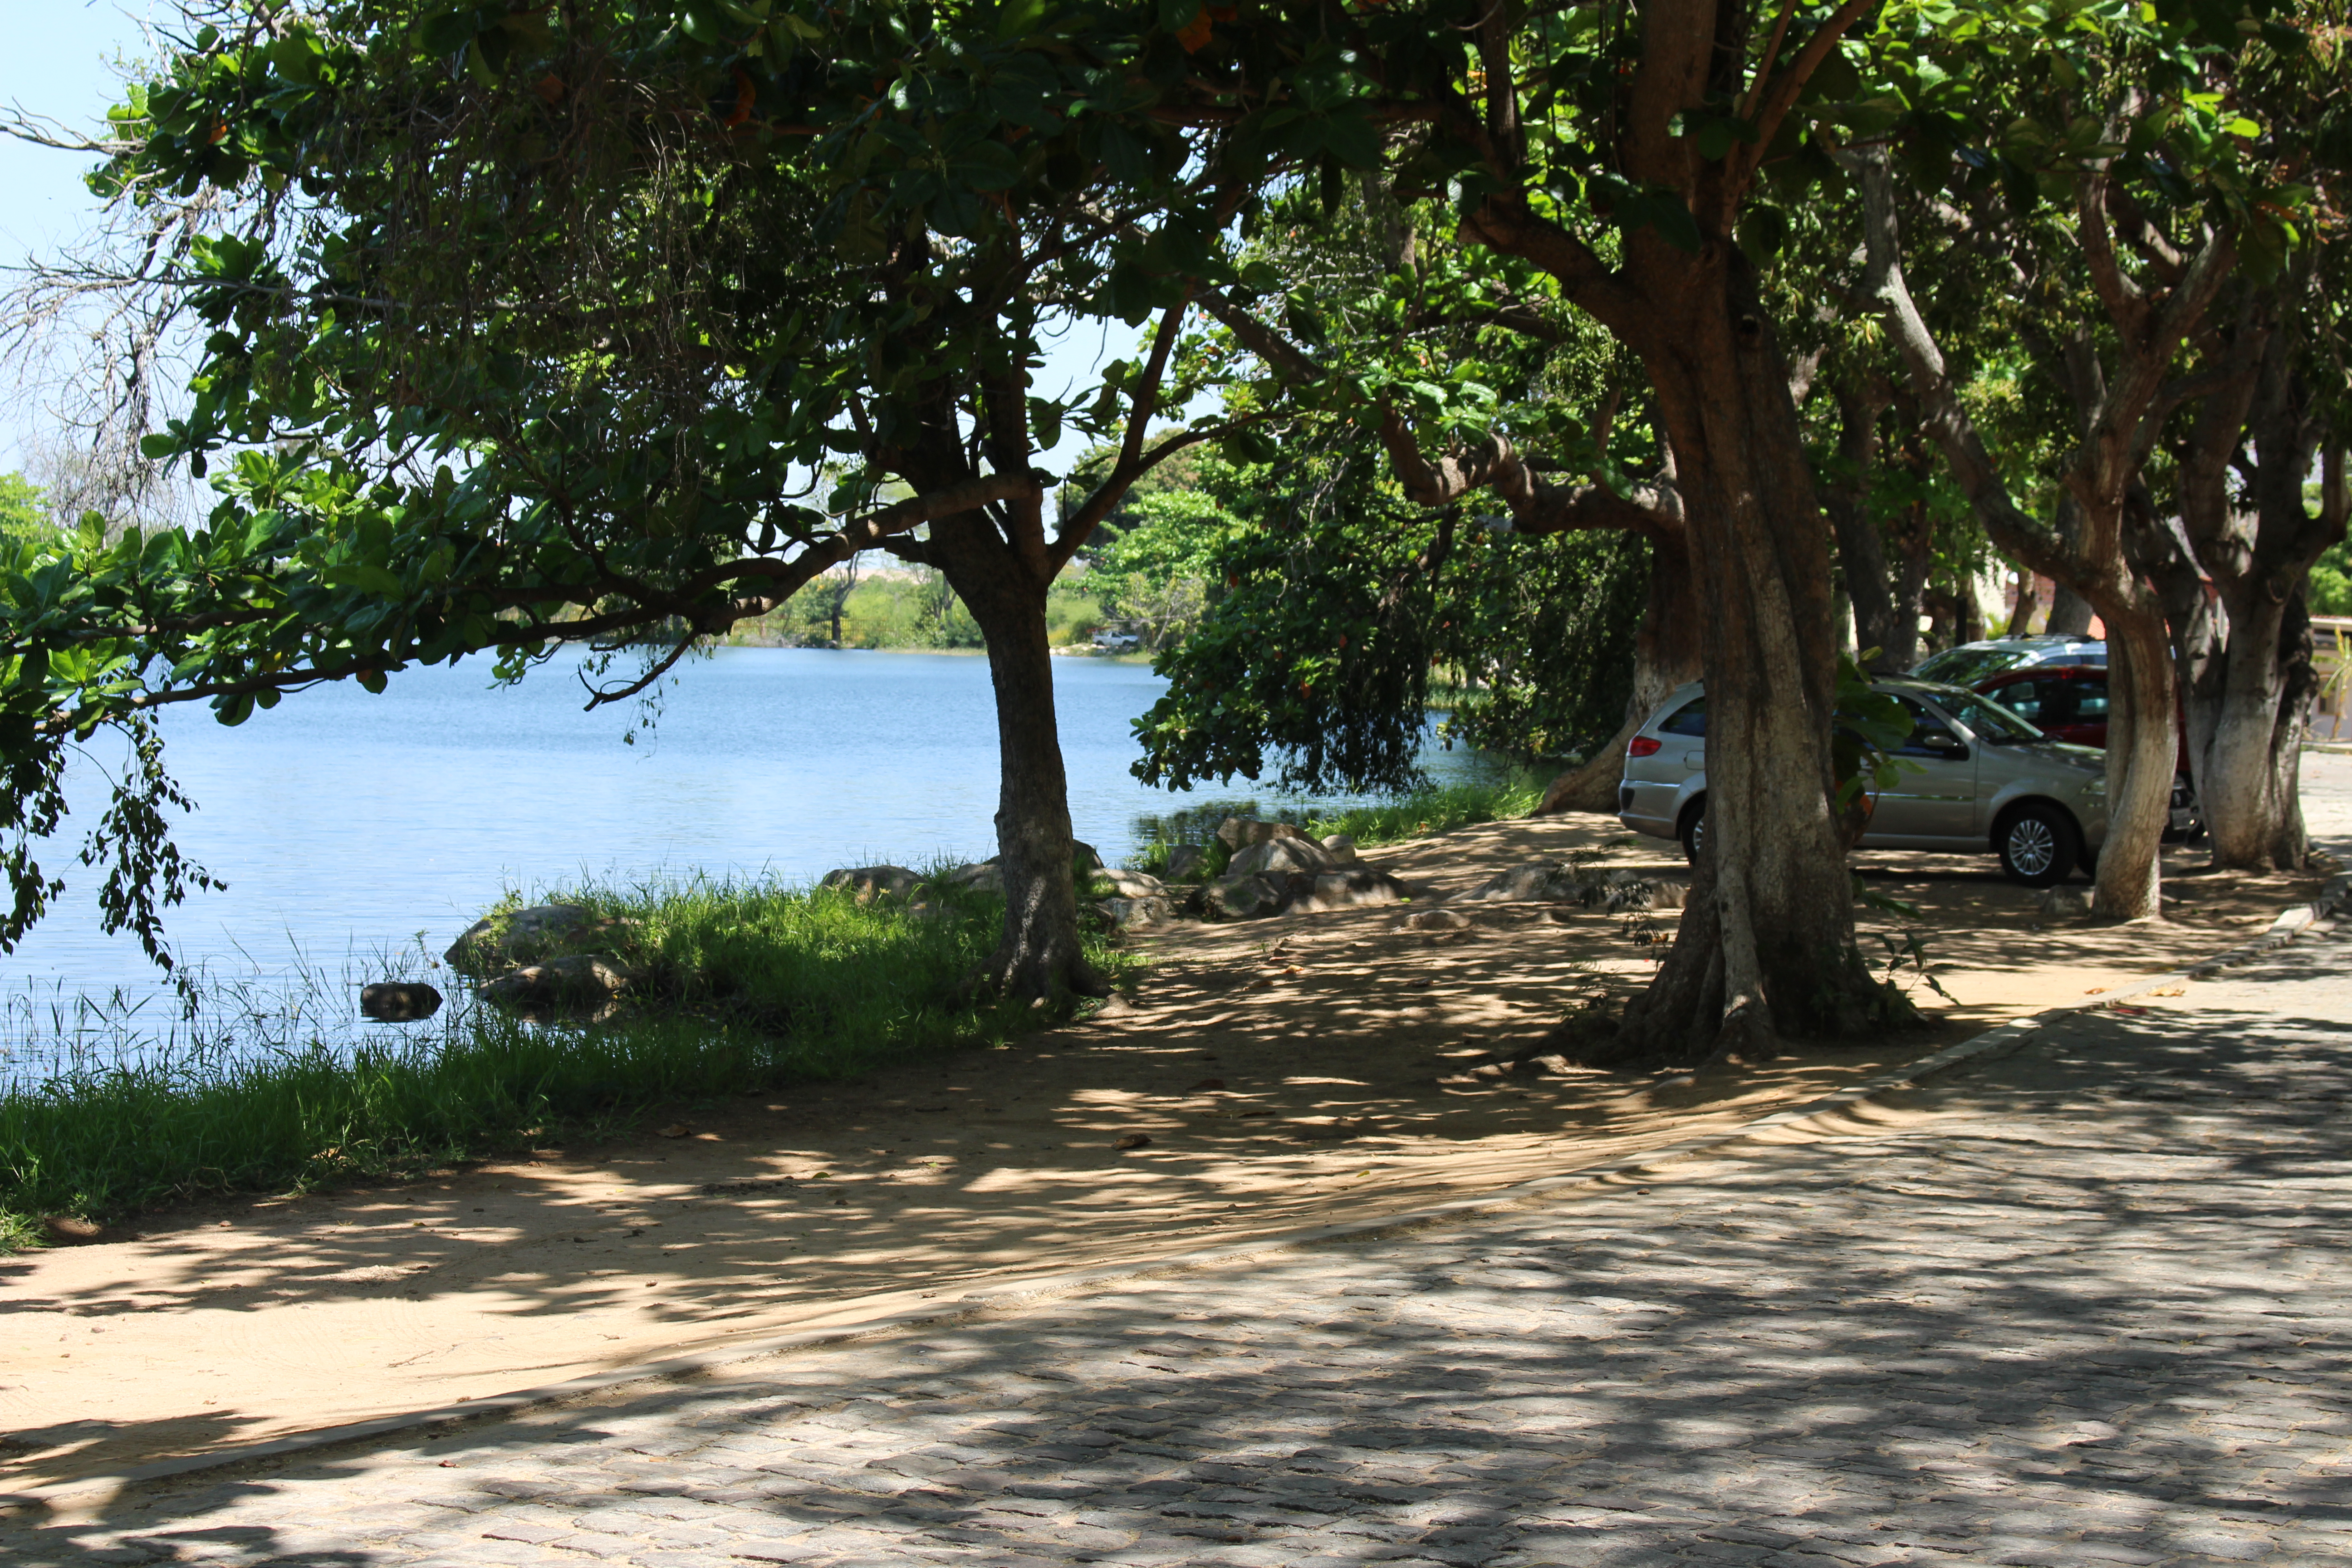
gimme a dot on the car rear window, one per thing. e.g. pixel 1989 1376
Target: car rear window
pixel 1688 720
pixel 1967 665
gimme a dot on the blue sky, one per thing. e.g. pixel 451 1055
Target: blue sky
pixel 55 66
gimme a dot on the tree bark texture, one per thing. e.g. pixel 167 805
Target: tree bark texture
pixel 2245 657
pixel 1039 954
pixel 2118 427
pixel 1767 944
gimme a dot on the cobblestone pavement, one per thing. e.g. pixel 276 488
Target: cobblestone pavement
pixel 2085 1304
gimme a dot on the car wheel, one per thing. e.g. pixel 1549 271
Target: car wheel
pixel 1692 830
pixel 2038 845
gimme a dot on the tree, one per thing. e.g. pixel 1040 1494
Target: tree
pixel 1618 156
pixel 2270 360
pixel 2117 121
pixel 1155 571
pixel 478 396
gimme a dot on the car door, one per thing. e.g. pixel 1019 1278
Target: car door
pixel 1934 798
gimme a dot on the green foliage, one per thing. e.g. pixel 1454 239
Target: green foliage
pixel 25 512
pixel 1155 572
pixel 1317 647
pixel 1073 611
pixel 1330 604
pixel 1441 808
pixel 753 985
pixel 1545 627
pixel 2330 587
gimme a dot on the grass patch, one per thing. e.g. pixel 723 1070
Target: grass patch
pixel 753 985
pixel 1440 809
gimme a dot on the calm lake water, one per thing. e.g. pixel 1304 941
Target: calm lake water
pixel 347 825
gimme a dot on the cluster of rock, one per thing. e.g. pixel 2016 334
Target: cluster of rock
pixel 1554 883
pixel 1250 870
pixel 548 956
pixel 1253 869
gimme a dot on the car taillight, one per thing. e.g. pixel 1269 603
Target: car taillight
pixel 1643 746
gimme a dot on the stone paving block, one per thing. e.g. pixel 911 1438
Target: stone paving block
pixel 2061 1317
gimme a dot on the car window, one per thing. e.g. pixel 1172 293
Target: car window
pixel 1990 720
pixel 1689 719
pixel 2031 700
pixel 2091 699
pixel 1923 723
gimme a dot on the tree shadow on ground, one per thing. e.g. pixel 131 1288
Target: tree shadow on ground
pixel 2092 1310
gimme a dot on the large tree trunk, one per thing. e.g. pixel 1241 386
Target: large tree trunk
pixel 1666 656
pixel 1768 948
pixel 2248 766
pixel 1039 956
pixel 2143 746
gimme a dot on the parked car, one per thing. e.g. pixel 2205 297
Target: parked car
pixel 1111 641
pixel 2059 685
pixel 1977 780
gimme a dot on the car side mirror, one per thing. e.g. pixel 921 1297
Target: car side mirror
pixel 1944 743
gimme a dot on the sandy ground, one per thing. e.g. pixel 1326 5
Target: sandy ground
pixel 1283 1072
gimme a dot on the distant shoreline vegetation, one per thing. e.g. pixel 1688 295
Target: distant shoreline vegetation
pixel 903 609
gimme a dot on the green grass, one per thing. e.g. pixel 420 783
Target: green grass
pixel 752 986
pixel 1441 809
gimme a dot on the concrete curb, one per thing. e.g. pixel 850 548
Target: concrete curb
pixel 2292 922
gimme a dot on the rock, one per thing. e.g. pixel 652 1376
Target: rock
pixel 1538 882
pixel 1117 883
pixel 1354 887
pixel 1341 848
pixel 1437 919
pixel 576 977
pixel 867 883
pixel 398 1000
pixel 987 877
pixel 1138 914
pixel 70 1230
pixel 1084 857
pixel 1238 833
pixel 520 934
pixel 1240 898
pixel 2063 903
pixel 1669 895
pixel 1280 858
pixel 1187 863
pixel 1136 1140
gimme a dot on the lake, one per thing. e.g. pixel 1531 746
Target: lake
pixel 347 825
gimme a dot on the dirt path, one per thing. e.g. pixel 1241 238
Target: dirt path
pixel 1283 1072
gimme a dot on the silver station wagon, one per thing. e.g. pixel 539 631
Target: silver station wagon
pixel 1976 780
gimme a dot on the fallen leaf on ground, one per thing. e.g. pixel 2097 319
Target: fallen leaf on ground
pixel 1136 1140
pixel 675 1130
pixel 2169 991
pixel 2128 1011
pixel 2097 990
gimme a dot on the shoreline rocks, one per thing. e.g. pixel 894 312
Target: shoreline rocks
pixel 399 1001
